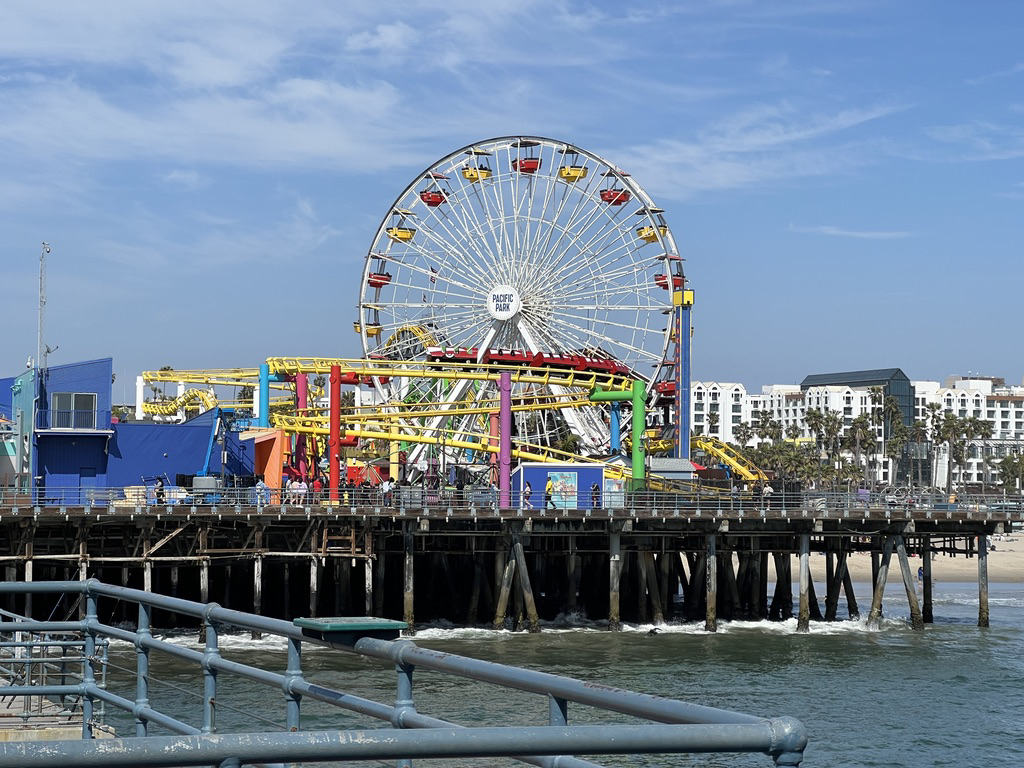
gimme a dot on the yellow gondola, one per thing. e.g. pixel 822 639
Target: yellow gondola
pixel 571 169
pixel 650 234
pixel 400 234
pixel 476 170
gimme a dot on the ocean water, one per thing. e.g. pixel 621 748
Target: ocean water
pixel 952 695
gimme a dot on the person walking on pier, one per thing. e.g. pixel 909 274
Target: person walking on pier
pixel 527 495
pixel 766 494
pixel 595 496
pixel 160 491
pixel 549 489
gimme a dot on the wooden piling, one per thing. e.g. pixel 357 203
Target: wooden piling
pixel 257 592
pixel 507 577
pixel 875 614
pixel 982 580
pixel 833 586
pixel 641 588
pixel 711 585
pixel 908 583
pixel 652 587
pixel 614 576
pixel 532 618
pixel 926 579
pixel 408 591
pixel 803 622
pixel 851 598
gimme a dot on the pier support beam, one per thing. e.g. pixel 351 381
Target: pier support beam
pixel 875 614
pixel 652 587
pixel 507 577
pixel 257 592
pixel 532 619
pixel 711 585
pixel 916 622
pixel 803 622
pixel 926 579
pixel 614 578
pixel 982 580
pixel 408 592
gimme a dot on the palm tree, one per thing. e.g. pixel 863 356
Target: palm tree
pixel 743 433
pixel 815 420
pixel 859 433
pixel 713 419
pixel 767 427
pixel 918 435
pixel 934 427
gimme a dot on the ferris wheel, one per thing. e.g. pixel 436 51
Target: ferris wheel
pixel 527 245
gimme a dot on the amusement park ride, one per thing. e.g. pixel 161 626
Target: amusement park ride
pixel 517 255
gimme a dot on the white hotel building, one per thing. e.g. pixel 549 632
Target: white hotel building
pixel 986 398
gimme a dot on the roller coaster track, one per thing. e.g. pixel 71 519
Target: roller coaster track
pixel 732 458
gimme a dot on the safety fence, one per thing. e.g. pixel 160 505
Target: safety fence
pixel 395 732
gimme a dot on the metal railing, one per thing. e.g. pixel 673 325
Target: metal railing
pixel 668 726
pixel 370 500
pixel 85 419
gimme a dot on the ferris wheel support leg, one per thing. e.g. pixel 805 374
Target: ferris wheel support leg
pixel 505 444
pixel 682 305
pixel 334 441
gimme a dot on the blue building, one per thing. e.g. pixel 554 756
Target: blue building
pixel 62 445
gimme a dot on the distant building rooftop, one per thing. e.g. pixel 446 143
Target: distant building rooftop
pixel 853 378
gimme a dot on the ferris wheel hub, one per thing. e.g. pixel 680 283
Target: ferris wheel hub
pixel 503 302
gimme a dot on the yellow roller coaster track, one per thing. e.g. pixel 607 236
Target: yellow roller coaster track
pixel 732 458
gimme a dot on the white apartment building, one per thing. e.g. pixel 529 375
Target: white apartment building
pixel 985 398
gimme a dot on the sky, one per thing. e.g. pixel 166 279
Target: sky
pixel 845 179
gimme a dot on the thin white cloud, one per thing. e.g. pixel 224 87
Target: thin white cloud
pixel 855 233
pixel 1014 70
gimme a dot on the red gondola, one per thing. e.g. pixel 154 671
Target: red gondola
pixel 379 279
pixel 432 194
pixel 526 161
pixel 614 196
pixel 526 164
pixel 665 387
pixel 662 281
pixel 433 197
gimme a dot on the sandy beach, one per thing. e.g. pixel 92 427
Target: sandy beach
pixel 1005 564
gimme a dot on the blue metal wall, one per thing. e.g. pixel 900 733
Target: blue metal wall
pixel 146 449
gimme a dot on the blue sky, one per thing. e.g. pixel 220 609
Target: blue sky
pixel 844 179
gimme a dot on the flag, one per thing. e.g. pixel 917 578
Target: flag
pixel 433 275
pixel 424 297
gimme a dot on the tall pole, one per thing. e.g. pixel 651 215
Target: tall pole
pixel 42 306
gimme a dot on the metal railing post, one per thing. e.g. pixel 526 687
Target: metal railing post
pixel 143 632
pixel 404 703
pixel 210 653
pixel 292 674
pixel 558 711
pixel 88 660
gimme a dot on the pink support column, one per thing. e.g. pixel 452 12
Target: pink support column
pixel 334 441
pixel 505 446
pixel 302 395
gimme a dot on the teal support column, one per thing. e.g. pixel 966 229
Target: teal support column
pixel 264 417
pixel 615 426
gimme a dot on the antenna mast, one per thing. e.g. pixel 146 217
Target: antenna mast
pixel 40 349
